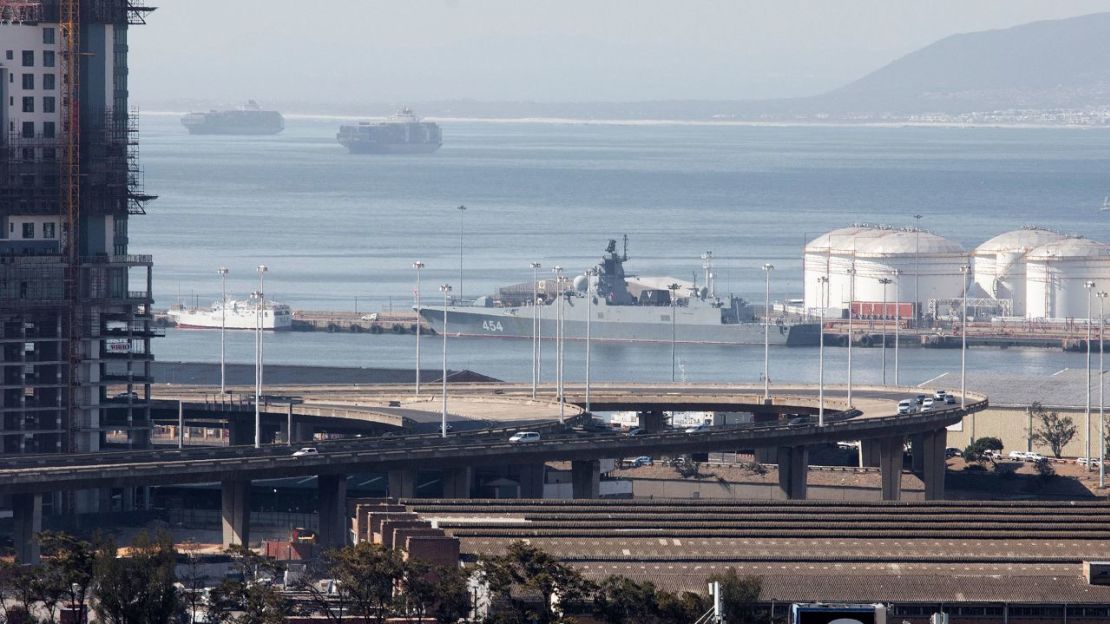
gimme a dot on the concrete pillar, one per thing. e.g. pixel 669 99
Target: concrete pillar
pixel 917 452
pixel 890 467
pixel 793 464
pixel 303 432
pixel 457 482
pixel 769 455
pixel 531 479
pixel 585 478
pixel 869 450
pixel 235 499
pixel 240 432
pixel 27 519
pixel 935 464
pixel 652 422
pixel 402 483
pixel 333 510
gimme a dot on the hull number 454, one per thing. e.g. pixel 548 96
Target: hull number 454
pixel 493 326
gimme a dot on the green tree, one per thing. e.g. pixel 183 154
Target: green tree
pixel 620 600
pixel 682 608
pixel 740 597
pixel 438 591
pixel 362 582
pixel 525 569
pixel 981 449
pixel 70 564
pixel 138 588
pixel 250 598
pixel 1051 429
pixel 19 591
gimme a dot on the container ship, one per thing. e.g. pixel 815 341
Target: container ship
pixel 621 309
pixel 249 119
pixel 233 315
pixel 403 133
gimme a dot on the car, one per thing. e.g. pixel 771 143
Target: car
pixel 308 450
pixel 123 396
pixel 635 431
pixel 927 404
pixel 1083 461
pixel 373 316
pixel 1034 457
pixel 696 428
pixel 1017 455
pixel 798 421
pixel 951 452
pixel 940 394
pixel 904 406
pixel 642 460
pixel 920 399
pixel 949 399
pixel 524 437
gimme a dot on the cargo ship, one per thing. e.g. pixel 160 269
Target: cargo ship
pixel 621 308
pixel 249 119
pixel 403 133
pixel 233 315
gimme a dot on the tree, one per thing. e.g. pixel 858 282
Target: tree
pixel 1051 430
pixel 19 591
pixel 439 591
pixel 193 583
pixel 70 564
pixel 620 600
pixel 684 607
pixel 740 597
pixel 248 599
pixel 525 569
pixel 982 449
pixel 364 577
pixel 138 588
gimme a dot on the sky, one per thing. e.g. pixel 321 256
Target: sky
pixel 349 51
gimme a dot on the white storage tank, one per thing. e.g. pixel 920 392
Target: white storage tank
pixel 1056 273
pixel 928 267
pixel 1000 264
pixel 831 254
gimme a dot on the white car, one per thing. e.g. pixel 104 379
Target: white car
pixel 940 394
pixel 904 406
pixel 524 437
pixel 1083 461
pixel 927 404
pixel 373 316
pixel 1018 455
pixel 696 428
pixel 308 450
pixel 1034 457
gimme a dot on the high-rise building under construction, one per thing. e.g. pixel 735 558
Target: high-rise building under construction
pixel 75 317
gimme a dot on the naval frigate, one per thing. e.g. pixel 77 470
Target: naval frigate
pixel 620 308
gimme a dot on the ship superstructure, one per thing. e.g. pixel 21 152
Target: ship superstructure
pixel 234 314
pixel 622 308
pixel 403 133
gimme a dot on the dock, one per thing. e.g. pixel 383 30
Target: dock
pixel 349 322
pixel 1066 336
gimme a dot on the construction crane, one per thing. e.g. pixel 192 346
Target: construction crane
pixel 70 26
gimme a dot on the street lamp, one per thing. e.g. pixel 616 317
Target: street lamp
pixel 446 290
pixel 590 273
pixel 462 212
pixel 223 326
pixel 917 263
pixel 885 281
pixel 1101 390
pixel 897 318
pixel 767 268
pixel 851 271
pixel 823 280
pixel 965 270
pixel 535 326
pixel 416 301
pixel 261 354
pixel 560 337
pixel 1090 286
pixel 674 302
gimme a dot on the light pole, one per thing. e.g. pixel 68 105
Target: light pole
pixel 261 354
pixel 462 212
pixel 1101 390
pixel 416 302
pixel 590 273
pixel 917 264
pixel 851 299
pixel 965 270
pixel 897 318
pixel 535 326
pixel 559 338
pixel 1090 286
pixel 823 280
pixel 223 326
pixel 885 281
pixel 446 290
pixel 767 268
pixel 674 303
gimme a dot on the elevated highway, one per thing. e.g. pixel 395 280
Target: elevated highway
pixel 873 419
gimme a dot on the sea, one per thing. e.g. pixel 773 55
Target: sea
pixel 340 232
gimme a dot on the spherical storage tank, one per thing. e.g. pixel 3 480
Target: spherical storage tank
pixel 1055 276
pixel 1000 264
pixel 927 266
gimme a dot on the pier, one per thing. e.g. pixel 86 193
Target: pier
pixel 1065 335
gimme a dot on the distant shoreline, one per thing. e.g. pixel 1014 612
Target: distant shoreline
pixel 573 121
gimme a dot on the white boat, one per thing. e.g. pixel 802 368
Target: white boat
pixel 1106 204
pixel 236 315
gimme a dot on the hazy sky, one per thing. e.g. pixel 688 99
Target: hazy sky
pixel 341 51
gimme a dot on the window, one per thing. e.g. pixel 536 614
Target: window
pixel 48 230
pixel 28 58
pixel 10 55
pixel 28 230
pixel 47 58
pixel 48 36
pixel 49 153
pixel 28 130
pixel 49 105
pixel 28 81
pixel 48 130
pixel 28 104
pixel 48 82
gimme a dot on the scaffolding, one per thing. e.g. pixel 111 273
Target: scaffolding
pixel 20 11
